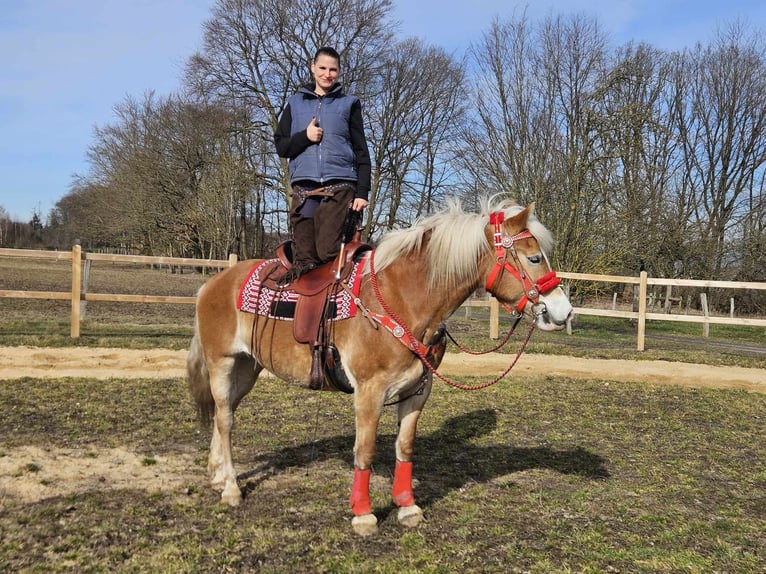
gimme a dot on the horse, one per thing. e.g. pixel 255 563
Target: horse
pixel 413 280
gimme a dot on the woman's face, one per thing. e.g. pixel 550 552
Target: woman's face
pixel 325 70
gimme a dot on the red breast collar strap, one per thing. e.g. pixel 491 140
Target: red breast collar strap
pixel 400 333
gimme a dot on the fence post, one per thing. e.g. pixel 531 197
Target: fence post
pixel 74 326
pixel 494 318
pixel 641 311
pixel 668 295
pixel 706 312
pixel 232 259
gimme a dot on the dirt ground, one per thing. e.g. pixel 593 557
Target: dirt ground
pixel 16 362
pixel 60 472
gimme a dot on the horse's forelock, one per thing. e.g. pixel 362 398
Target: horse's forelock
pixel 510 208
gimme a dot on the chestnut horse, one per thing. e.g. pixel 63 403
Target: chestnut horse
pixel 413 281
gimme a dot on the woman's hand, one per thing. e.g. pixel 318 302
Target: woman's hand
pixel 313 131
pixel 359 204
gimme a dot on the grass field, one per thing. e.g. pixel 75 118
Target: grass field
pixel 546 475
pixel 543 475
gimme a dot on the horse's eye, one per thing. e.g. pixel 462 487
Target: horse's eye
pixel 535 259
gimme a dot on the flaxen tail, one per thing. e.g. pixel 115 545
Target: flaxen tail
pixel 199 379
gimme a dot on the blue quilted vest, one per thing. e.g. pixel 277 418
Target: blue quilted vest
pixel 333 157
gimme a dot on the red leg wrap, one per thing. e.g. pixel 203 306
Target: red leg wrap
pixel 360 492
pixel 402 491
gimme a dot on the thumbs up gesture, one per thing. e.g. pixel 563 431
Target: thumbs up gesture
pixel 313 131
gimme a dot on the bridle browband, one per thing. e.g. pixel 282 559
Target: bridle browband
pixel 504 246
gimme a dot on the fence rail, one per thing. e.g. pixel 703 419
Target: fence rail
pixel 641 315
pixel 78 292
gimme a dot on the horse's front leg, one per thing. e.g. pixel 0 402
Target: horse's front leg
pixel 368 406
pixel 410 513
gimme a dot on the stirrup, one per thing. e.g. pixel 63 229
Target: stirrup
pixel 293 274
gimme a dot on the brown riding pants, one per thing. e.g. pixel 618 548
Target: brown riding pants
pixel 317 237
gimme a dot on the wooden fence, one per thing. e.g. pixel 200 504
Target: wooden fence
pixel 78 293
pixel 641 316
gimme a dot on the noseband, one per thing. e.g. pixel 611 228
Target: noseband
pixel 505 250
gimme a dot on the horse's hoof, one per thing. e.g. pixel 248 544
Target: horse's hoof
pixel 365 525
pixel 231 496
pixel 410 516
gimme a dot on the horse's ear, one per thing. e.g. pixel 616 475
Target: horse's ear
pixel 519 221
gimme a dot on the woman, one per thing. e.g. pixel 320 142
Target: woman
pixel 321 132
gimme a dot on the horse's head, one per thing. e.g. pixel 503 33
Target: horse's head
pixel 517 271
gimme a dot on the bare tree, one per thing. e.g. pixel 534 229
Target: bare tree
pixel 415 114
pixel 500 152
pixel 256 53
pixel 5 223
pixel 539 100
pixel 723 134
pixel 151 172
pixel 638 176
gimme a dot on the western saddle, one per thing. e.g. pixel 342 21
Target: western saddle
pixel 315 290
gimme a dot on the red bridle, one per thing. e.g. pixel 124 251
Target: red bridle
pixel 503 247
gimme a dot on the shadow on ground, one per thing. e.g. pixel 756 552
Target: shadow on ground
pixel 448 458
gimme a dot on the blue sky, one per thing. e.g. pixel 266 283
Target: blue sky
pixel 65 64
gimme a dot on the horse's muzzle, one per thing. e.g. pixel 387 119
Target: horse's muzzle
pixel 552 313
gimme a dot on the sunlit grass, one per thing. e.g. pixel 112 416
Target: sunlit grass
pixel 544 474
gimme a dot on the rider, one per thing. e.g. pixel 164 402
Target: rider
pixel 321 132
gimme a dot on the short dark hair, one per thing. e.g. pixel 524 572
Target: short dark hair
pixel 327 51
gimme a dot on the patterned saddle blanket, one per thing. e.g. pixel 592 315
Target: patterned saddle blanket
pixel 256 297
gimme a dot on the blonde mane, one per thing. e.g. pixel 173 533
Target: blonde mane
pixel 456 241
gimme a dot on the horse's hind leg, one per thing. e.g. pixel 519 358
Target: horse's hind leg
pixel 410 513
pixel 231 378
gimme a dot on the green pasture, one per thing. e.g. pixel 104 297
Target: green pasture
pixel 543 475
